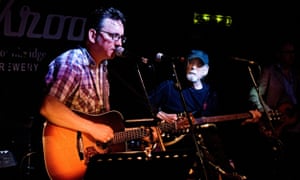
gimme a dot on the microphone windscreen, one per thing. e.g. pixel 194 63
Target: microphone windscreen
pixel 159 56
pixel 119 51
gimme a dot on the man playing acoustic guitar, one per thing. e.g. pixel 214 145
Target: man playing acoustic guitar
pixel 79 122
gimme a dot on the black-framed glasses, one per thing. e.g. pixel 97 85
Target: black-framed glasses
pixel 115 36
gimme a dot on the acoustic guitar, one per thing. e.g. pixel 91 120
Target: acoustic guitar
pixel 67 152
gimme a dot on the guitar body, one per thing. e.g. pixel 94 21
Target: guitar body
pixel 61 153
pixel 288 116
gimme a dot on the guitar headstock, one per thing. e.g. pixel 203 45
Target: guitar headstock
pixel 275 115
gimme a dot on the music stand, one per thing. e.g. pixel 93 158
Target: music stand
pixel 137 165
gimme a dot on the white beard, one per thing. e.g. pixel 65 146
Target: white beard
pixel 192 77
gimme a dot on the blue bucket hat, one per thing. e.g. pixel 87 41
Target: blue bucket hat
pixel 198 54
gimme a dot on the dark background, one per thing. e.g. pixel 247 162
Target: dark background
pixel 152 26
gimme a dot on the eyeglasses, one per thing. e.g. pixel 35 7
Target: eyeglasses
pixel 115 36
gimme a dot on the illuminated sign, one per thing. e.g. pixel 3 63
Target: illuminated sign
pixel 212 19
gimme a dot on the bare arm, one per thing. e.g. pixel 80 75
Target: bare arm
pixel 170 118
pixel 58 114
pixel 256 115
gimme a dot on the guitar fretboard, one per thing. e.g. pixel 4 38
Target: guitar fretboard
pixel 134 133
pixel 221 118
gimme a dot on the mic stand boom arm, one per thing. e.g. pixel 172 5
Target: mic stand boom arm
pixel 161 144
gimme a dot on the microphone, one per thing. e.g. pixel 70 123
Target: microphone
pixel 161 57
pixel 120 52
pixel 243 60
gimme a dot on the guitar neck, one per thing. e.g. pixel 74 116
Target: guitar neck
pixel 222 118
pixel 134 133
pixel 139 132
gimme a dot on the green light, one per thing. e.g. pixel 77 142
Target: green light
pixel 206 17
pixel 218 18
pixel 196 18
pixel 228 21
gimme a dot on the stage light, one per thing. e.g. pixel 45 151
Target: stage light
pixel 228 21
pixel 218 18
pixel 206 18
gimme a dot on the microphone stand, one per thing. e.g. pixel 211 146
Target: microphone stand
pixel 161 144
pixel 199 153
pixel 269 118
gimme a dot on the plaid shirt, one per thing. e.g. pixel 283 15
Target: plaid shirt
pixel 75 80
